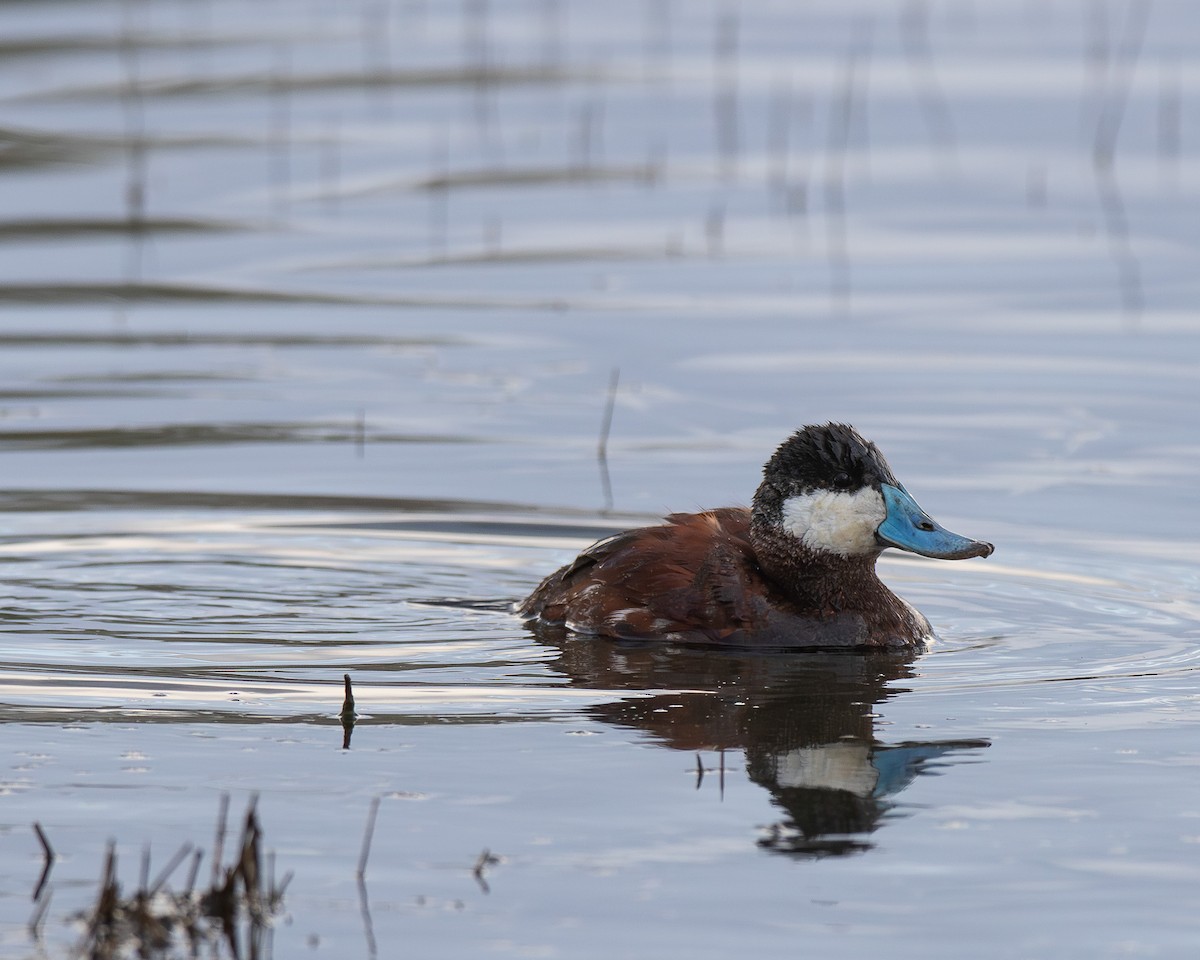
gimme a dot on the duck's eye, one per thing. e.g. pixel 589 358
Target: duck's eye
pixel 842 481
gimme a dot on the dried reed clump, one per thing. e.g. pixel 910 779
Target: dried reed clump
pixel 233 913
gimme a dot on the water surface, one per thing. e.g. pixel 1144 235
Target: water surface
pixel 309 315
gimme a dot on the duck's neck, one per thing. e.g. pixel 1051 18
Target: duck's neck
pixel 818 582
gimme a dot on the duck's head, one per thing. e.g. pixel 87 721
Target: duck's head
pixel 833 491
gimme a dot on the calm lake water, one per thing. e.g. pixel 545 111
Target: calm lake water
pixel 309 317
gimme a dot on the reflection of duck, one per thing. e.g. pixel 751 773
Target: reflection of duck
pixel 795 570
pixel 805 721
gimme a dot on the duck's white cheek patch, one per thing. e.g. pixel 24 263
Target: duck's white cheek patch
pixel 834 522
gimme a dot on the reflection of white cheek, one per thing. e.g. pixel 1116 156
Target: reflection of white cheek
pixel 834 522
pixel 845 765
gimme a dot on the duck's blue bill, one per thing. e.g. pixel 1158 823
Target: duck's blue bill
pixel 910 528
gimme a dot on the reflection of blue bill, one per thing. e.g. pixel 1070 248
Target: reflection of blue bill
pixel 861 768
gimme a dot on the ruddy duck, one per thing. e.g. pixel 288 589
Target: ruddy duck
pixel 797 569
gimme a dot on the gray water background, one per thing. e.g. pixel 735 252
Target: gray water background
pixel 309 314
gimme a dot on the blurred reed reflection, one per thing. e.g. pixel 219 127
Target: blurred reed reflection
pixel 805 722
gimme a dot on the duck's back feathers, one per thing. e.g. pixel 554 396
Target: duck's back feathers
pixel 655 581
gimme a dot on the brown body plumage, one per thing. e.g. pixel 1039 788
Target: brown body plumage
pixel 697 579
